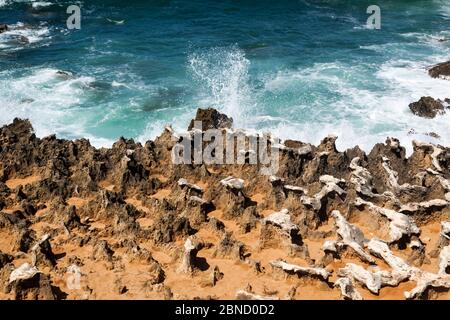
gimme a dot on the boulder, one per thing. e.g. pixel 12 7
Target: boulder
pixel 211 119
pixel 401 226
pixel 427 107
pixel 191 189
pixel 332 186
pixel 233 183
pixel 102 251
pixel 197 210
pixel 170 226
pixel 417 256
pixel 216 275
pixel 440 70
pixel 24 241
pixel 232 197
pixel 362 179
pixel 278 229
pixel 156 272
pixel 71 220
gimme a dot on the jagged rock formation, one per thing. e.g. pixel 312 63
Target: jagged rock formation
pixel 278 228
pixel 78 222
pixel 424 280
pixel 211 119
pixel 27 282
pixel 440 70
pixel 401 227
pixel 351 237
pixel 444 239
pixel 191 247
pixel 42 254
pixel 371 280
pixel 427 107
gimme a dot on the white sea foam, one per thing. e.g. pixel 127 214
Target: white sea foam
pixel 118 84
pixel 223 82
pixel 50 100
pixel 20 35
pixel 360 115
pixel 445 8
pixel 365 108
pixel 41 4
pixel 4 3
pixel 371 115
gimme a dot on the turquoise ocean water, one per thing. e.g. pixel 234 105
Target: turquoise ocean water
pixel 301 69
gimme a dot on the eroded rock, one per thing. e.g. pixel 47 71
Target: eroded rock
pixel 27 283
pixel 288 268
pixel 191 248
pixel 401 227
pixel 440 70
pixel 427 107
pixel 348 290
pixel 211 119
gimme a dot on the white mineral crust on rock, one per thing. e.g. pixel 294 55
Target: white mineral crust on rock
pixel 400 224
pixel 233 183
pixel 282 220
pixel 330 185
pixel 190 252
pixel 423 279
pixel 184 183
pixel 351 236
pixel 24 272
pixel 292 268
pixel 348 290
pixel 434 155
pixel 374 281
pixel 444 260
pixel 393 179
pixel 416 206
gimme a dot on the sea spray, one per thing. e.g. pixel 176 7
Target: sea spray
pixel 222 74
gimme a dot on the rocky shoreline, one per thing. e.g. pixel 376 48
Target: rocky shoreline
pixel 78 222
pixel 429 107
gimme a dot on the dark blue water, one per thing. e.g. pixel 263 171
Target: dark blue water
pixel 302 69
